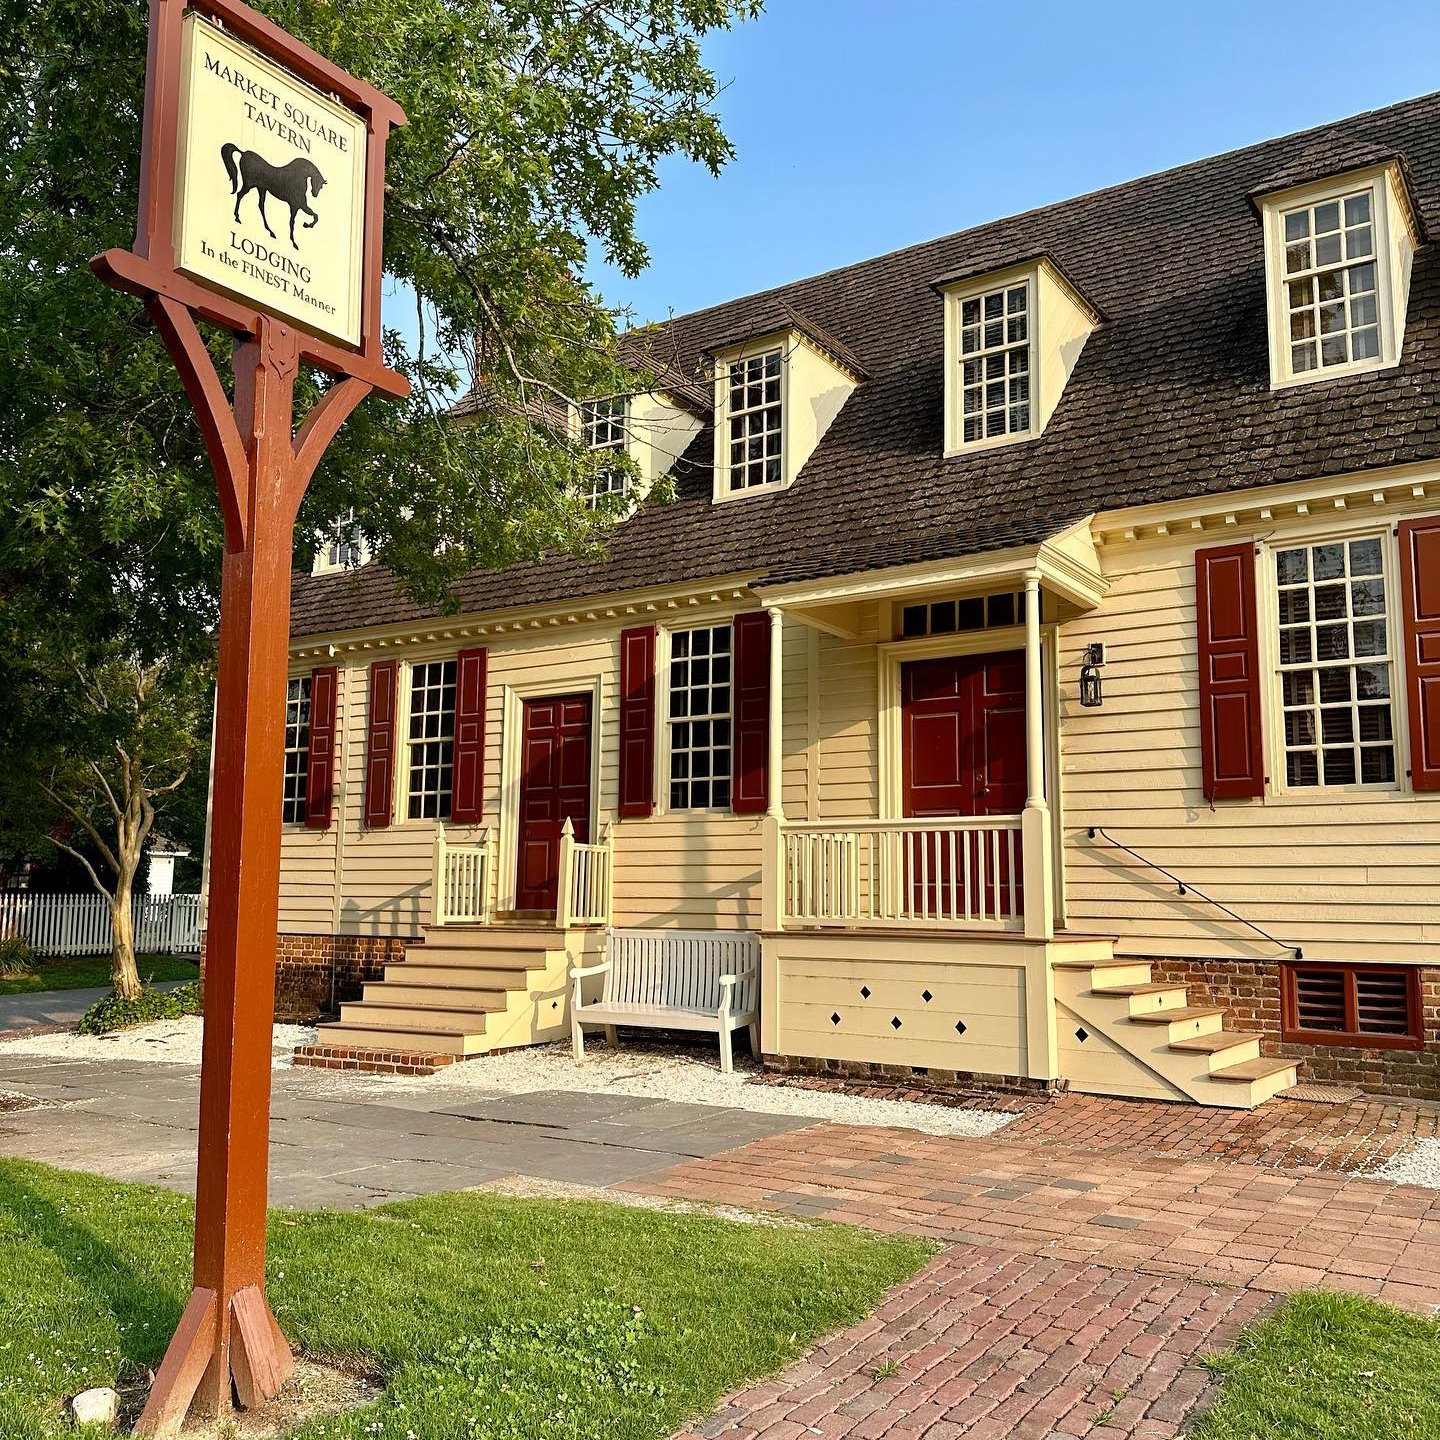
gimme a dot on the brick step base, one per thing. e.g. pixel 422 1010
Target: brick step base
pixel 372 1062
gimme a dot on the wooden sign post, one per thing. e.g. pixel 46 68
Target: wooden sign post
pixel 261 192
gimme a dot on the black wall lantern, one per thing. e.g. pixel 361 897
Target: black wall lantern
pixel 1091 692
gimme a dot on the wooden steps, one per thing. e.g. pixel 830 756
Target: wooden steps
pixel 1145 1038
pixel 464 990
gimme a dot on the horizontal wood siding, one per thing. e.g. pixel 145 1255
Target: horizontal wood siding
pixel 1344 875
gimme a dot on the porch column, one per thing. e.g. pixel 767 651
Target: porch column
pixel 777 711
pixel 1037 855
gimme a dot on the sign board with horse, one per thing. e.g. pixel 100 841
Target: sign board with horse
pixel 270 186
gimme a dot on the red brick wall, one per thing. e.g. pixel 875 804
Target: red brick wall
pixel 315 973
pixel 1250 990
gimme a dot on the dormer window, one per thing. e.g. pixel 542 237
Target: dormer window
pixel 776 394
pixel 995 363
pixel 1012 339
pixel 1338 261
pixel 602 428
pixel 754 420
pixel 345 550
pixel 1330 283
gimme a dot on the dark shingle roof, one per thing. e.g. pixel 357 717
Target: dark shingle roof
pixel 1170 397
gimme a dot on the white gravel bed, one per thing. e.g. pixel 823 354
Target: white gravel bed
pixel 690 1076
pixel 1417 1164
pixel 172 1042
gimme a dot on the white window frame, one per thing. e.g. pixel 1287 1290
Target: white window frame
pixel 405 692
pixel 1282 376
pixel 662 749
pixel 752 350
pixel 306 698
pixel 332 553
pixel 1272 703
pixel 955 442
pixel 620 407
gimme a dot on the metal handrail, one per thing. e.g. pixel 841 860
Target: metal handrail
pixel 1183 887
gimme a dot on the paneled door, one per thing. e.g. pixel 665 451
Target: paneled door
pixel 554 786
pixel 962 753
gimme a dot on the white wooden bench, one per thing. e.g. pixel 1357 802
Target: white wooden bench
pixel 673 980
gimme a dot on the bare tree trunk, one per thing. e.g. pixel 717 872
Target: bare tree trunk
pixel 124 977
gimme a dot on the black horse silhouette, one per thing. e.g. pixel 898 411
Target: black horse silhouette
pixel 293 183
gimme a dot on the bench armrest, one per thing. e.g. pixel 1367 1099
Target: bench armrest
pixel 727 981
pixel 579 972
pixel 727 989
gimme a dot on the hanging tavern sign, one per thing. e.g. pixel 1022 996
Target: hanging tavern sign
pixel 269 196
pixel 262 182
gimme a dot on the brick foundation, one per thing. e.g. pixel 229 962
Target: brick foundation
pixel 371 1062
pixel 315 974
pixel 1250 990
pixel 909 1077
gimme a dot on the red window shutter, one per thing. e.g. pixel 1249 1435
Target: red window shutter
pixel 751 643
pixel 320 762
pixel 637 722
pixel 467 800
pixel 380 743
pixel 1420 598
pixel 1231 748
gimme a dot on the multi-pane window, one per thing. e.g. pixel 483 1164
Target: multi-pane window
pixel 297 749
pixel 344 550
pixel 1351 1004
pixel 602 428
pixel 995 363
pixel 1331 283
pixel 754 421
pixel 974 612
pixel 1335 664
pixel 430 740
pixel 700 691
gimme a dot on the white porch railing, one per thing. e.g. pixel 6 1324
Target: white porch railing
pixel 924 873
pixel 463 875
pixel 587 879
pixel 59 925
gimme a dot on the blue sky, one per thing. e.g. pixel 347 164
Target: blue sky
pixel 861 126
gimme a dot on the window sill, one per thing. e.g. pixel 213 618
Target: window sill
pixel 1335 372
pixel 997 442
pixel 723 497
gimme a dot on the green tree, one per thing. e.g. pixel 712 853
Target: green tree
pixel 535 127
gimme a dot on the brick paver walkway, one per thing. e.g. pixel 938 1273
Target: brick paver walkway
pixel 1215 1221
pixel 1083 1282
pixel 986 1343
pixel 1356 1135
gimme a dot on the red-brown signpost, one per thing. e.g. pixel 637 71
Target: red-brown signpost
pixel 244 129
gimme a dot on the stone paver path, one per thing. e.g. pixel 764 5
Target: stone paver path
pixel 1214 1220
pixel 46 1009
pixel 985 1344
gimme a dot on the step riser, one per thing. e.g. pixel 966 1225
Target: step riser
pixel 479 938
pixel 479 977
pixel 453 1017
pixel 443 997
pixel 368 1037
pixel 1236 1055
pixel 1189 1029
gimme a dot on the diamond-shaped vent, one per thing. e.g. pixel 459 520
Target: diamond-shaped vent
pixel 864 992
pixel 927 997
pixel 1082 1034
pixel 894 1022
pixel 960 1027
pixel 835 1019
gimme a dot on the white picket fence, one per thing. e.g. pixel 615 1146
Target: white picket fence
pixel 80 924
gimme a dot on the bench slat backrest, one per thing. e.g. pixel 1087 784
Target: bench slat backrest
pixel 680 968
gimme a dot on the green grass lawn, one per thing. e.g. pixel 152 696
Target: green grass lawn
pixel 1330 1367
pixel 489 1318
pixel 89 971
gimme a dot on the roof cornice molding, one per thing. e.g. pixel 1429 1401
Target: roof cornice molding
pixel 1367 492
pixel 1392 166
pixel 654 604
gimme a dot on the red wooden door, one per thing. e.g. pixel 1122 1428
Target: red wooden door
pixel 962 753
pixel 554 786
